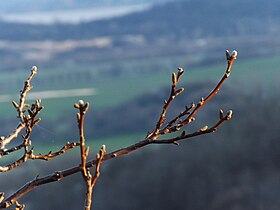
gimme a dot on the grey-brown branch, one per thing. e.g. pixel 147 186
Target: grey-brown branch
pixel 162 127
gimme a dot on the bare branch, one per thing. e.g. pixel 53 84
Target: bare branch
pixel 91 181
pixel 5 141
pixel 202 131
pixel 30 155
pixel 230 60
pixel 28 119
pixel 172 126
pixel 20 109
pixel 51 155
pixel 81 118
pixel 99 158
pixel 27 87
pixel 173 94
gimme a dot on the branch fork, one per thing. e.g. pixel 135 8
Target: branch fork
pixel 89 179
pixel 162 127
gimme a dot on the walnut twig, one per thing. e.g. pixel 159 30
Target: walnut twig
pixel 89 179
pixel 162 128
pixel 28 117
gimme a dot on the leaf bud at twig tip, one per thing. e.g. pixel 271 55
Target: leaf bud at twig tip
pixel 77 106
pixel 103 147
pixel 234 54
pixel 165 102
pixel 179 91
pixel 87 151
pixel 204 128
pixel 176 143
pixel 174 78
pixel 228 55
pixel 221 114
pixel 81 102
pixel 229 114
pixel 15 104
pixel 2 194
pixel 34 69
pixel 180 70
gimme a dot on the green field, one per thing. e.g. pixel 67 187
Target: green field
pixel 255 76
pixel 251 74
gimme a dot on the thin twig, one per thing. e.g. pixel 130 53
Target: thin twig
pixel 150 139
pixel 91 181
pixel 28 119
pixel 68 172
pixel 20 109
pixel 30 155
pixel 51 155
pixel 230 60
pixel 27 87
pixel 172 95
pixel 80 119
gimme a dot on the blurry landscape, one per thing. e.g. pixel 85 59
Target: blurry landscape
pixel 121 64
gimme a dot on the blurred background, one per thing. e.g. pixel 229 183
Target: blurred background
pixel 119 55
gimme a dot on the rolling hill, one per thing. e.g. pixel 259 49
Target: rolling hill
pixel 174 20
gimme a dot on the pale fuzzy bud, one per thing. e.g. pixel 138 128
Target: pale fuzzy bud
pixel 228 55
pixel 34 69
pixel 180 70
pixel 81 102
pixel 103 147
pixel 179 91
pixel 2 196
pixel 174 78
pixel 204 128
pixel 234 54
pixel 229 114
pixel 87 151
pixel 221 114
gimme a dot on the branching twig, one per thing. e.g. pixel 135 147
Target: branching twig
pixel 80 119
pixel 30 155
pixel 89 179
pixel 28 119
pixel 51 155
pixel 170 128
pixel 173 93
pixel 152 138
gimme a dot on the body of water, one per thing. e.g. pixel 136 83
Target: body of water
pixel 72 16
